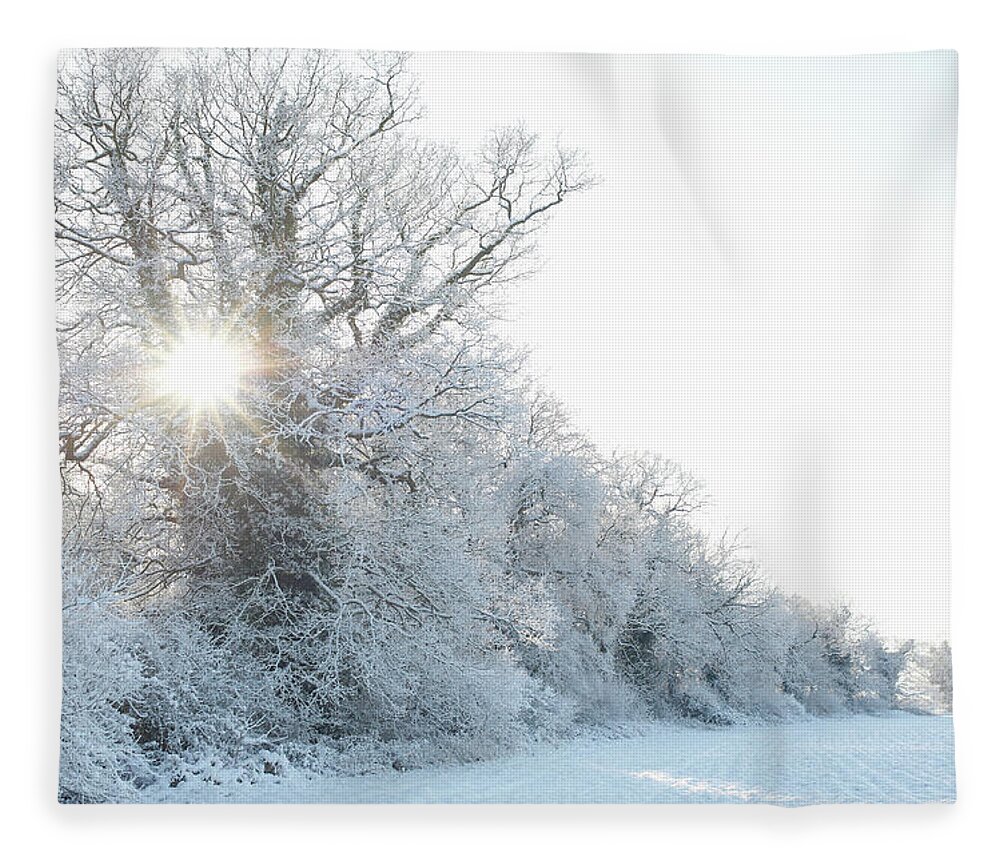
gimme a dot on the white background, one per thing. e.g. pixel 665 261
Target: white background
pixel 35 825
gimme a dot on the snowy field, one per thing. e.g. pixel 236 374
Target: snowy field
pixel 893 759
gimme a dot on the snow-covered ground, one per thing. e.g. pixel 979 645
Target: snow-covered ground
pixel 893 759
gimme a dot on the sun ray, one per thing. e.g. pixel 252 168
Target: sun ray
pixel 202 372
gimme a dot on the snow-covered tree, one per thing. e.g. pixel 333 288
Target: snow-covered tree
pixel 925 681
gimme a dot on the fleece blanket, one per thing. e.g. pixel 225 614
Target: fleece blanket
pixel 500 428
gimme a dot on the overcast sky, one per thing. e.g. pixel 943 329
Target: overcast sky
pixel 759 289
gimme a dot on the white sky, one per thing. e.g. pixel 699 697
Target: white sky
pixel 759 289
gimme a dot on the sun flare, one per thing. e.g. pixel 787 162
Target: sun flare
pixel 202 370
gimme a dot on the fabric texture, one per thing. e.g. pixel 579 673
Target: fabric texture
pixel 504 428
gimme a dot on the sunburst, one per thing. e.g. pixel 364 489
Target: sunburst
pixel 202 371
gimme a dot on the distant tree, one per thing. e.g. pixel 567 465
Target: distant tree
pixel 926 681
pixel 940 672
